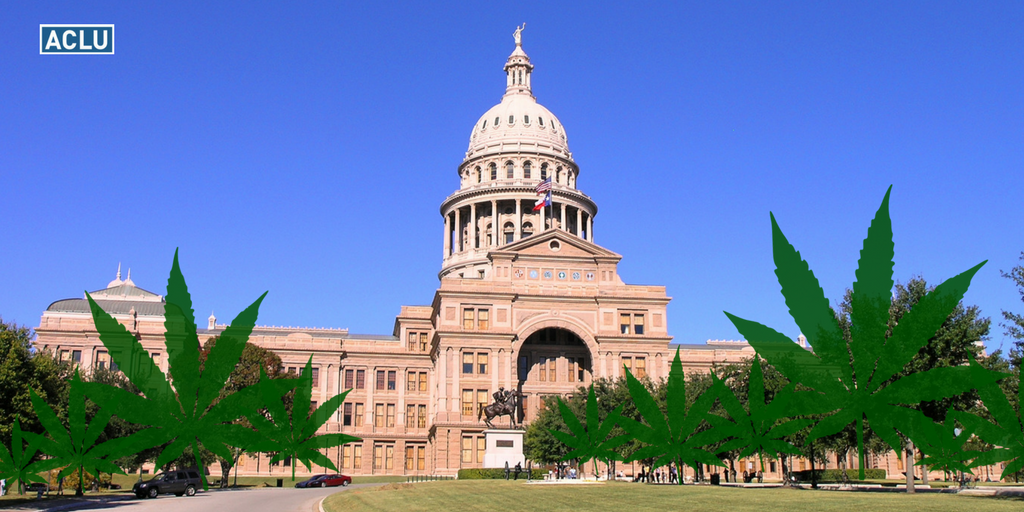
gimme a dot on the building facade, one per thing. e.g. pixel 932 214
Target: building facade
pixel 527 301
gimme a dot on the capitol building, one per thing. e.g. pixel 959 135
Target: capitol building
pixel 527 301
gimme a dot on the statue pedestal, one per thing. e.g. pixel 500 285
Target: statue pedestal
pixel 503 446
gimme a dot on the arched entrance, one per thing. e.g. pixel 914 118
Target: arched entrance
pixel 551 361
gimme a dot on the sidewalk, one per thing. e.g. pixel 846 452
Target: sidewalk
pixel 58 503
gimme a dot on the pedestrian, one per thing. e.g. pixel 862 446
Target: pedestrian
pixel 760 476
pixel 60 487
pixel 3 486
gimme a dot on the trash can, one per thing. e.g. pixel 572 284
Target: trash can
pixel 280 482
pixel 715 479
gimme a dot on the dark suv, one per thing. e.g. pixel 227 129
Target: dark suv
pixel 181 483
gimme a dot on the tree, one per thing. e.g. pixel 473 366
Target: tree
pixel 119 428
pixel 17 464
pixel 245 374
pixel 22 370
pixel 590 442
pixel 1014 322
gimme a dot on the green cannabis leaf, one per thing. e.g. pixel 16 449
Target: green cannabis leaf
pixel 76 447
pixel 857 381
pixel 943 446
pixel 762 429
pixel 17 464
pixel 675 439
pixel 294 434
pixel 189 414
pixel 1007 432
pixel 590 442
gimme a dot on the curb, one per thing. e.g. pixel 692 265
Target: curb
pixel 320 504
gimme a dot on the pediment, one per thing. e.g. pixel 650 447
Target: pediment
pixel 556 243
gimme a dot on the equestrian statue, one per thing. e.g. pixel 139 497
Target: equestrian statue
pixel 504 405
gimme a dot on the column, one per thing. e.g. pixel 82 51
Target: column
pixel 579 222
pixel 519 219
pixel 472 226
pixel 494 223
pixel 441 390
pixel 456 388
pixel 590 228
pixel 564 227
pixel 458 231
pixel 447 236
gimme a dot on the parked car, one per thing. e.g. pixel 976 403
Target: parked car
pixel 313 481
pixel 336 480
pixel 36 487
pixel 181 483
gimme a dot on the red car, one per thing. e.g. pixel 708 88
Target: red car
pixel 335 480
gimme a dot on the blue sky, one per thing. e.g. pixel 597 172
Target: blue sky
pixel 305 149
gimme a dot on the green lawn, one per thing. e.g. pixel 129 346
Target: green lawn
pixel 490 495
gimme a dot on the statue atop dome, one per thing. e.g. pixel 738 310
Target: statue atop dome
pixel 518 34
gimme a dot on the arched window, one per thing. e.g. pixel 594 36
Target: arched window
pixel 526 119
pixel 527 229
pixel 572 179
pixel 558 175
pixel 496 121
pixel 509 170
pixel 511 119
pixel 526 171
pixel 483 125
pixel 510 232
pixel 494 171
pixel 479 175
pixel 543 171
pixel 541 119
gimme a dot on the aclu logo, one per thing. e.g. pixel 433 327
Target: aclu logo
pixel 76 39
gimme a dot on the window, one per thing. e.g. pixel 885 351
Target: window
pixel 414 338
pixel 526 119
pixel 467 362
pixel 627 364
pixel 640 364
pixel 552 373
pixel 421 457
pixel 511 119
pixel 378 417
pixel 524 367
pixel 526 169
pixel 481 363
pixel 467 319
pixel 572 369
pixel 483 126
pixel 156 359
pixel 496 121
pixel 582 365
pixel 541 119
pixel 467 402
pixel 347 416
pixel 312 406
pixel 316 374
pixel 378 456
pixel 410 381
pixel 381 375
pixel 360 379
pixel 481 446
pixel 543 369
pixel 423 382
pixel 479 175
pixel 467 449
pixel 102 359
pixel 510 232
pixel 357 456
pixel 359 416
pixel 349 378
pixel 481 400
pixel 410 416
pixel 543 167
pixel 509 170
pixel 423 341
pixel 527 229
pixel 483 319
pixel 624 323
pixel 422 417
pixel 76 356
pixel 638 324
pixel 346 457
pixel 410 456
pixel 494 171
pixel 392 378
pixel 391 416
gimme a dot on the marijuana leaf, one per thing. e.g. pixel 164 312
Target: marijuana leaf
pixel 675 438
pixel 857 381
pixel 17 464
pixel 943 446
pixel 1007 432
pixel 590 442
pixel 186 414
pixel 759 431
pixel 76 447
pixel 294 434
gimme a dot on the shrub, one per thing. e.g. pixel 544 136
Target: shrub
pixel 495 474
pixel 836 475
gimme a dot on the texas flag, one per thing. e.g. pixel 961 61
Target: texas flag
pixel 544 201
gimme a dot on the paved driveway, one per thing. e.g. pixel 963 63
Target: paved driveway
pixel 287 499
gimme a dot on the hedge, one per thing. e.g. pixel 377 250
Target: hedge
pixel 496 473
pixel 836 475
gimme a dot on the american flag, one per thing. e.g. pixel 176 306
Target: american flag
pixel 544 186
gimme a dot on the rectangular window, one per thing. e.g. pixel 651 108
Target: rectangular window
pixel 410 381
pixel 481 446
pixel 359 415
pixel 524 367
pixel 468 319
pixel 423 341
pixel 76 356
pixel 543 369
pixel 410 416
pixel 624 323
pixel 102 359
pixel 641 367
pixel 481 363
pixel 316 375
pixel 581 367
pixel 349 379
pixel 467 402
pixel 421 458
pixel 389 456
pixel 413 339
pixel 467 449
pixel 347 416
pixel 357 456
pixel 392 378
pixel 572 369
pixel 378 417
pixel 552 369
pixel 467 362
pixel 410 457
pixel 627 364
pixel 391 415
pixel 422 417
pixel 483 317
pixel 65 355
pixel 423 381
pixel 156 359
pixel 638 324
pixel 360 379
pixel 312 406
pixel 481 399
pixel 378 456
pixel 346 457
pixel 381 375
